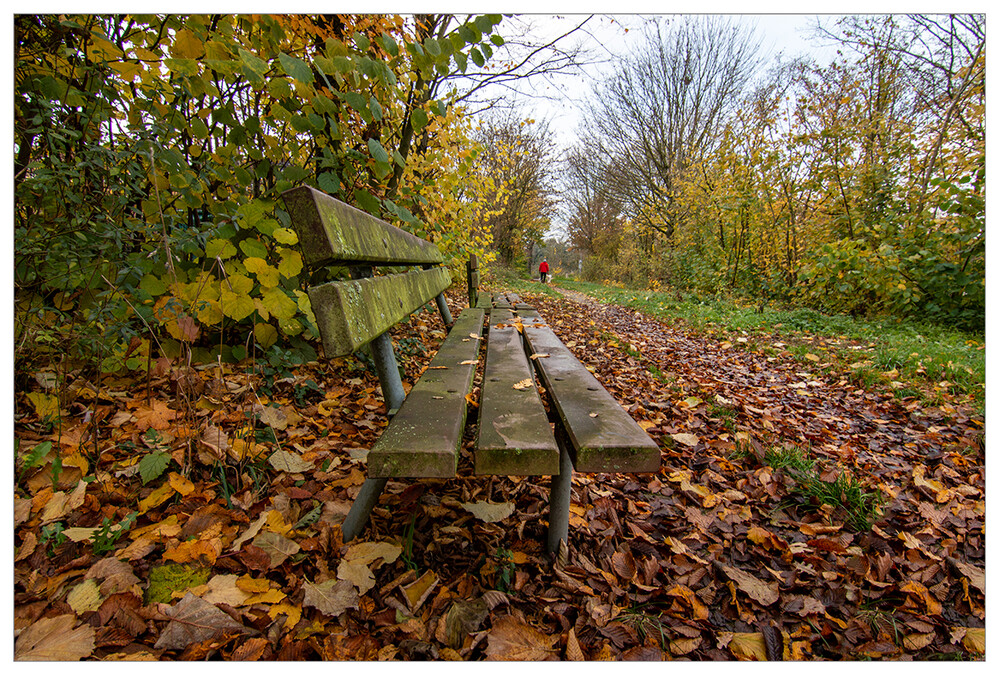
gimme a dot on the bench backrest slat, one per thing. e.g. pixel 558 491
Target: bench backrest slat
pixel 331 232
pixel 350 314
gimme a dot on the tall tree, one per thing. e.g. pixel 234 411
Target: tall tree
pixel 520 154
pixel 663 107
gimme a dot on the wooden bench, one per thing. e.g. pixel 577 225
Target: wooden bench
pixel 587 429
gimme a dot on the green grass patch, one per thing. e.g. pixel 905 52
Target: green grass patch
pixel 860 506
pixel 929 360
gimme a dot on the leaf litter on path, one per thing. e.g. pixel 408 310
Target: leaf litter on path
pixel 717 557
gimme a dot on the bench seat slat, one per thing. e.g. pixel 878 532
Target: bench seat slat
pixel 331 232
pixel 515 437
pixel 350 314
pixel 424 437
pixel 604 437
pixel 485 301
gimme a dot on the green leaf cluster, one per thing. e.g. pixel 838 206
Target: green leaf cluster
pixel 151 152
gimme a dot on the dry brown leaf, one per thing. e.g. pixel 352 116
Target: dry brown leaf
pixel 84 597
pixel 976 576
pixel 222 590
pixel 573 652
pixel 116 576
pixel 464 617
pixel 489 513
pixel 158 415
pixel 273 417
pixel 278 547
pixel 698 610
pixel 332 597
pixel 763 593
pixel 915 641
pixel 356 573
pixel 681 646
pixel 369 552
pixel 623 563
pixel 55 639
pixel 289 462
pixel 510 639
pixel 195 620
pixel 933 606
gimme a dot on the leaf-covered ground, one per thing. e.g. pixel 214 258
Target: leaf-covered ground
pixel 194 514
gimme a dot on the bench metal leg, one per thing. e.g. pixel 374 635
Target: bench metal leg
pixel 558 501
pixel 359 512
pixel 388 372
pixel 443 309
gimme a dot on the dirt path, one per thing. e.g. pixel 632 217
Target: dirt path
pixel 709 399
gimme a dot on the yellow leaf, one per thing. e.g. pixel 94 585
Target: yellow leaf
pixel 748 646
pixel 291 263
pixel 812 357
pixel 276 522
pixel 266 334
pixel 187 46
pixel 293 612
pixel 85 597
pixel 974 640
pixel 253 586
pixel 279 304
pixel 157 497
pixel 267 276
pixel 200 550
pixel 46 406
pixel 271 596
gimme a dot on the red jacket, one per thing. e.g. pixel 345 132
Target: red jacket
pixel 544 267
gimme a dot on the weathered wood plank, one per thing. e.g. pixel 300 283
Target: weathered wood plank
pixel 506 300
pixel 515 437
pixel 332 232
pixel 424 437
pixel 604 438
pixel 472 272
pixel 485 301
pixel 350 314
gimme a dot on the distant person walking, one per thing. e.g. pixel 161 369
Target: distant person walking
pixel 543 268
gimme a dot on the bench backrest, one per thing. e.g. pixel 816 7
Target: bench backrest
pixel 351 313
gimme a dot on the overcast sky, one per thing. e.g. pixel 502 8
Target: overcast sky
pixel 612 36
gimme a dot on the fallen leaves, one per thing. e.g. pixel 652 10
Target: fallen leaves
pixel 702 561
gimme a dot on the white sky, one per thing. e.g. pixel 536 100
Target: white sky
pixel 780 34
